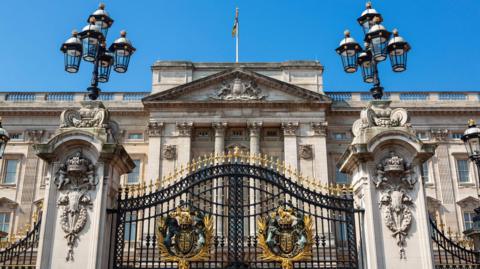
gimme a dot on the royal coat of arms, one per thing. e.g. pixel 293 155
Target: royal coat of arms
pixel 185 236
pixel 285 236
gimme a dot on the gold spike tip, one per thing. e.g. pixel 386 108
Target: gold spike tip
pixel 471 122
pixel 101 6
pixel 74 32
pixel 123 33
pixel 92 20
pixel 377 19
pixel 346 33
pixel 368 5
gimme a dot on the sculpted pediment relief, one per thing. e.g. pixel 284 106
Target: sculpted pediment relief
pixel 237 85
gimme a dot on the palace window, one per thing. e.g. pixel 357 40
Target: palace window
pixel 130 226
pixel 237 133
pixel 340 178
pixel 340 136
pixel 16 136
pixel 134 176
pixel 463 171
pixel 11 171
pixel 203 133
pixel 5 222
pixel 422 135
pixel 425 172
pixel 468 220
pixel 455 135
pixel 135 136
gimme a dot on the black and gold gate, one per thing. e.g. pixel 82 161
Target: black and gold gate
pixel 235 211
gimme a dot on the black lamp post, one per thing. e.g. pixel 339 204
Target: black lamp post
pixel 378 45
pixel 4 137
pixel 471 138
pixel 90 46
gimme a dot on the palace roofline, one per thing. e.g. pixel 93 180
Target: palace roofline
pixel 160 64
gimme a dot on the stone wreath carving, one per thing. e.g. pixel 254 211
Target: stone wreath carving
pixel 74 179
pixel 170 152
pixel 379 113
pixel 239 90
pixel 305 152
pixel 91 114
pixel 394 179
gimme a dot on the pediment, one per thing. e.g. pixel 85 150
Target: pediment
pixel 237 85
pixel 6 202
pixel 468 202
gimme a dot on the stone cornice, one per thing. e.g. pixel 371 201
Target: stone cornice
pixel 171 94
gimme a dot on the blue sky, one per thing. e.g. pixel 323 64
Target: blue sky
pixel 443 34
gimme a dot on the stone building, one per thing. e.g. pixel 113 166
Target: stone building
pixel 279 109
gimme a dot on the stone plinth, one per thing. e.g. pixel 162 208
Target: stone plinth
pixel 385 160
pixel 84 168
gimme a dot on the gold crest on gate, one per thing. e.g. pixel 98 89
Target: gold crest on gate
pixel 285 236
pixel 184 236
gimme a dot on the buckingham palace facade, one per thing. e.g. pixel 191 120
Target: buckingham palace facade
pixel 278 109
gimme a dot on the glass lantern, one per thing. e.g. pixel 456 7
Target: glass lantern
pixel 367 65
pixel 348 51
pixel 397 51
pixel 377 39
pixel 366 20
pixel 105 63
pixel 4 138
pixel 122 50
pixel 102 19
pixel 471 139
pixel 72 50
pixel 91 37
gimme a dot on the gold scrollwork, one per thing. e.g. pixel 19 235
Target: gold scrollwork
pixel 285 236
pixel 185 236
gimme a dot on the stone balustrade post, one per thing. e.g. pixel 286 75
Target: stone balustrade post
pixel 84 168
pixel 385 160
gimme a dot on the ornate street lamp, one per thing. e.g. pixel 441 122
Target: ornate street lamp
pixel 90 46
pixel 3 139
pixel 378 45
pixel 471 138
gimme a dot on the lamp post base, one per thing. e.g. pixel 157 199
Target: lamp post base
pixel 377 92
pixel 94 92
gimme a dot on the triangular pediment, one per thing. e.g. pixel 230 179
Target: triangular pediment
pixel 237 85
pixel 468 202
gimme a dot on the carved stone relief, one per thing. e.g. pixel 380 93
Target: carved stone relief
pixel 184 128
pixel 237 89
pixel 439 134
pixel 290 128
pixel 319 128
pixel 74 179
pixel 91 114
pixel 155 128
pixel 35 136
pixel 255 128
pixel 394 179
pixel 379 113
pixel 170 152
pixel 305 152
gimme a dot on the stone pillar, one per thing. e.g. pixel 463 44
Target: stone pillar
pixel 27 193
pixel 290 144
pixel 184 140
pixel 219 128
pixel 154 150
pixel 255 129
pixel 320 170
pixel 84 169
pixel 385 160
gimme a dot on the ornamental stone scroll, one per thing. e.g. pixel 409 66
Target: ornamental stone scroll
pixel 394 179
pixel 75 177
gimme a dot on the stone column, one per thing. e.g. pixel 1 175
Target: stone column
pixel 84 168
pixel 219 128
pixel 254 195
pixel 385 160
pixel 27 193
pixel 320 167
pixel 290 144
pixel 184 140
pixel 255 129
pixel 154 150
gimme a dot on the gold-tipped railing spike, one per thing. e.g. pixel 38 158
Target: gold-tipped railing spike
pixel 449 232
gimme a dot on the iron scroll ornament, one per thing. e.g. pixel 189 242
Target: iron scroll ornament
pixel 185 236
pixel 285 236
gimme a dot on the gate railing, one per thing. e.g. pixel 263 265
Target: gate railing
pixel 21 253
pixel 450 254
pixel 259 184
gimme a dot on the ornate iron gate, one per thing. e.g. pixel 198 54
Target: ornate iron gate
pixel 261 217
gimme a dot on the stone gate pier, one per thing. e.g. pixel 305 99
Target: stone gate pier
pixel 384 160
pixel 84 167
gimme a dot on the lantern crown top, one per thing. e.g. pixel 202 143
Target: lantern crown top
pixel 472 129
pixel 123 38
pixel 471 122
pixel 100 11
pixel 347 39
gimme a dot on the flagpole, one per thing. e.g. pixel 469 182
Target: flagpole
pixel 236 38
